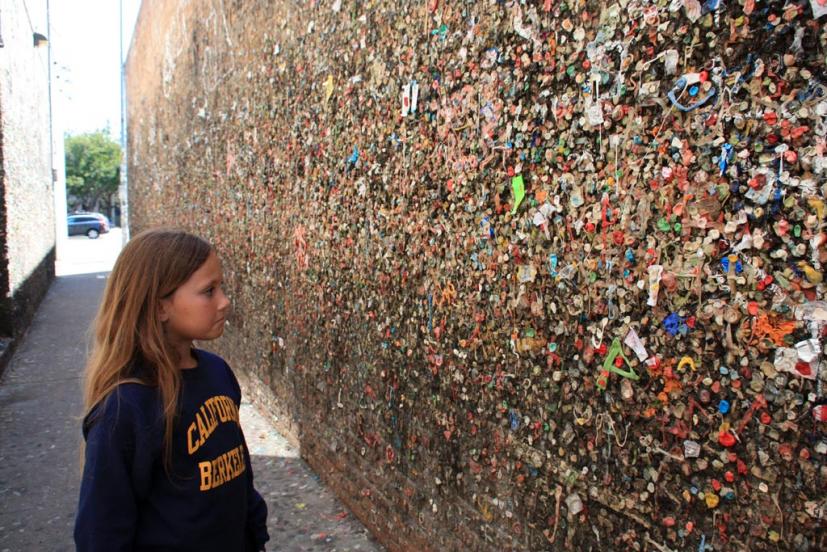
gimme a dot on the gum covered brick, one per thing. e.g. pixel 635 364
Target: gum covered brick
pixel 519 275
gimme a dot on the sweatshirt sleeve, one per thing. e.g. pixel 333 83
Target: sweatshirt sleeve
pixel 116 476
pixel 257 533
pixel 256 528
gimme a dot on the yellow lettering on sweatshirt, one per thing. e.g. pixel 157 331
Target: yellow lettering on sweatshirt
pixel 222 469
pixel 215 411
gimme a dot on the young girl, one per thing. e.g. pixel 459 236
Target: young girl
pixel 166 465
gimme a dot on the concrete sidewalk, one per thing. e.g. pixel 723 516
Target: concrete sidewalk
pixel 40 408
pixel 40 402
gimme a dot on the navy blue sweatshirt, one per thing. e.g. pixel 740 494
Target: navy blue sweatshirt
pixel 205 501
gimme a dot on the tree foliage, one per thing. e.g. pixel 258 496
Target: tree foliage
pixel 93 162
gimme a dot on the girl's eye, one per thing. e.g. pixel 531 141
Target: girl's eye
pixel 209 291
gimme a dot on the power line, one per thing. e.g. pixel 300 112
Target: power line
pixel 29 17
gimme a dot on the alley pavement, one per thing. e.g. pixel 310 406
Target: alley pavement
pixel 40 438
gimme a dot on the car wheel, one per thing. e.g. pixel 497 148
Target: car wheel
pixel 92 233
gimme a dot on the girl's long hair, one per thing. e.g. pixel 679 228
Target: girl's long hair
pixel 129 343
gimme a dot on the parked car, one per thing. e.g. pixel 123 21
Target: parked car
pixel 102 217
pixel 90 224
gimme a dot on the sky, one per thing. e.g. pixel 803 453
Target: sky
pixel 86 71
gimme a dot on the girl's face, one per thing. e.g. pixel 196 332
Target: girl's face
pixel 198 308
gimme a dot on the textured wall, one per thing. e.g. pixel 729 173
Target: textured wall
pixel 28 229
pixel 437 292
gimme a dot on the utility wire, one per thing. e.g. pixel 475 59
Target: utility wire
pixel 26 8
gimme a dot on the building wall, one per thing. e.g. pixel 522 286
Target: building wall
pixel 432 300
pixel 28 200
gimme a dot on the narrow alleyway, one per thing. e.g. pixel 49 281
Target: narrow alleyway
pixel 40 405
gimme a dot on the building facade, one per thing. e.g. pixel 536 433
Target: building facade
pixel 27 214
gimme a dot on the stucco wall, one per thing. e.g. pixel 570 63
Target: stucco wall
pixel 434 299
pixel 29 236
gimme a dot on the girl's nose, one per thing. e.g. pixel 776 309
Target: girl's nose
pixel 224 301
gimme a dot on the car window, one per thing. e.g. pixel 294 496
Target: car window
pixel 82 219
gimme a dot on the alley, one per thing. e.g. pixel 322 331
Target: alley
pixel 40 407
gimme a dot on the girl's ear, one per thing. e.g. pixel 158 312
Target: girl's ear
pixel 163 309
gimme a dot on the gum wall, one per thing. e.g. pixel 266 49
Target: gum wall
pixel 516 275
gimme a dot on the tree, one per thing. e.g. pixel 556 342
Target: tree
pixel 93 169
